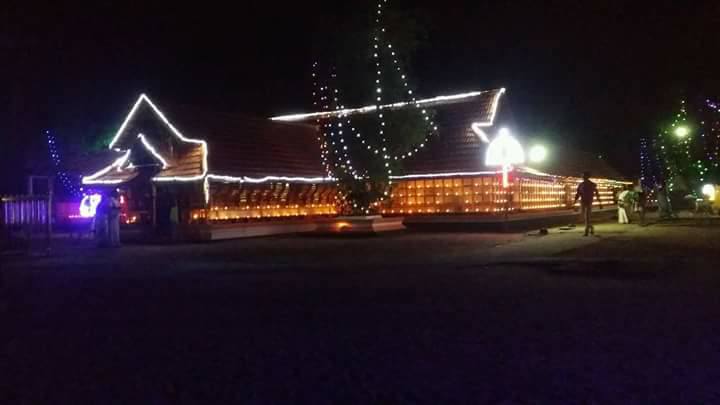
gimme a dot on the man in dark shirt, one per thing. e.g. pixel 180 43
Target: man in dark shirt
pixel 586 191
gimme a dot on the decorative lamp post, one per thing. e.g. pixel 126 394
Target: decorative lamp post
pixel 504 151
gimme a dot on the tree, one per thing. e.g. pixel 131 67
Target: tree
pixel 685 153
pixel 369 66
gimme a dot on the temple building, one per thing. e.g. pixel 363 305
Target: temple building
pixel 460 171
pixel 214 167
pixel 224 169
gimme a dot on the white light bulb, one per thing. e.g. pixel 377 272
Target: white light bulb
pixel 537 153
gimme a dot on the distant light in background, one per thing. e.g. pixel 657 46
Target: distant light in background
pixel 537 154
pixel 709 191
pixel 682 131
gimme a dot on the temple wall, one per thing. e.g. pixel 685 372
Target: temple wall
pixel 485 195
pixel 231 202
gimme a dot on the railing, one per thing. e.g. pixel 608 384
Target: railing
pixel 26 222
pixel 25 210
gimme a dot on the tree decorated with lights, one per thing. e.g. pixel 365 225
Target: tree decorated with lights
pixel 363 152
pixel 686 153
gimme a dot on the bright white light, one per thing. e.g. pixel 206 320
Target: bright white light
pixel 709 191
pixel 682 131
pixel 438 175
pixel 127 120
pixel 89 204
pixel 477 127
pixel 175 131
pixel 117 164
pixel 257 180
pixel 206 190
pixel 152 150
pixel 537 154
pixel 504 151
pixel 372 108
pixel 183 138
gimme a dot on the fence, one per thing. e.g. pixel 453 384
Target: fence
pixel 26 222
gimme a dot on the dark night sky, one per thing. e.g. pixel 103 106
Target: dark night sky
pixel 595 74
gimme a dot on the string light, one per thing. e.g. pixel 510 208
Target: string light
pixel 540 198
pixel 428 102
pixel 117 165
pixel 441 175
pixel 123 163
pixel 145 99
pixel 152 150
pixel 334 146
pixel 269 179
pixel 69 185
pixel 688 149
pixel 477 127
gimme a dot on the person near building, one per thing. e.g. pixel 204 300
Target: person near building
pixel 101 222
pixel 663 201
pixel 174 220
pixel 586 193
pixel 624 202
pixel 641 204
pixel 114 219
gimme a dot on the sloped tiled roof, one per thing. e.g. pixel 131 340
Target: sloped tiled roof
pixel 187 163
pixel 254 147
pixel 96 165
pixel 242 146
pixel 90 162
pixel 237 145
pixel 115 176
pixel 455 148
pixel 486 98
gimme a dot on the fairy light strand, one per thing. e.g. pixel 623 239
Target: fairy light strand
pixel 69 185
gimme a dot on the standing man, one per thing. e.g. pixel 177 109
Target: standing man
pixel 114 219
pixel 624 202
pixel 586 191
pixel 640 201
pixel 663 201
pixel 101 222
pixel 174 219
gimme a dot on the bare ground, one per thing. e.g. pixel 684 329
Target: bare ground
pixel 630 316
